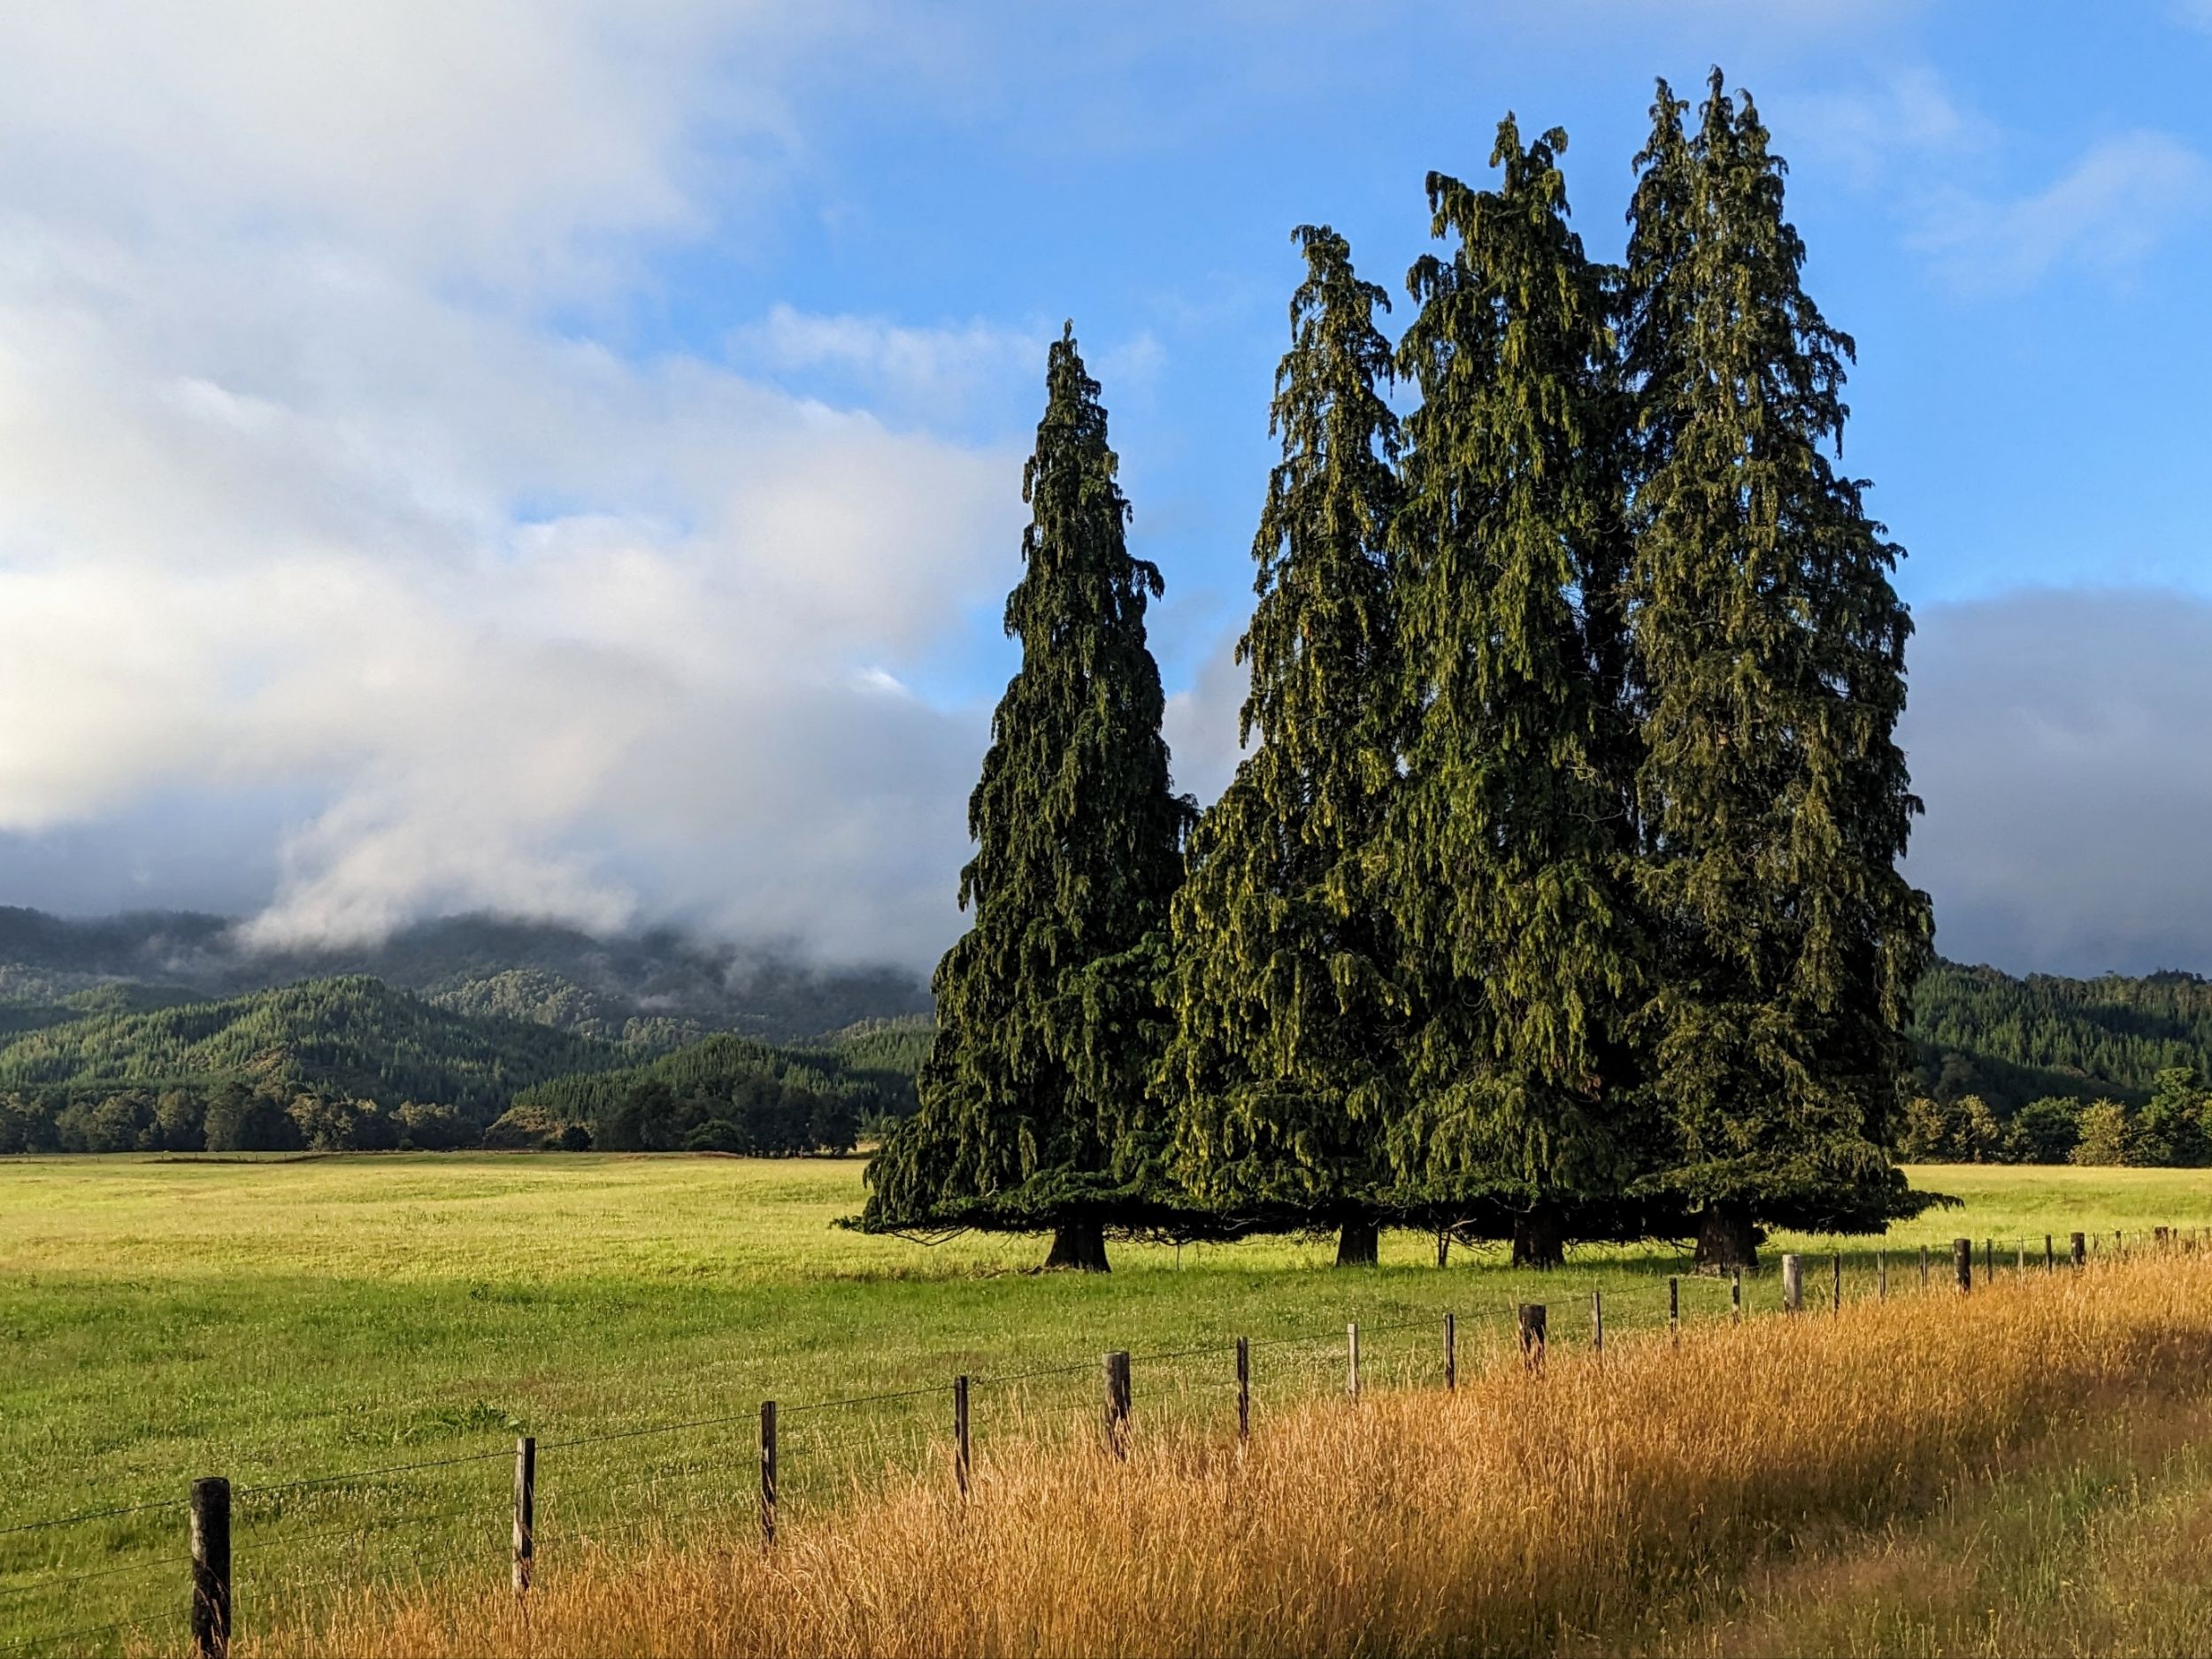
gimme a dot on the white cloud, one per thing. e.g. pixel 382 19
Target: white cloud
pixel 940 374
pixel 2106 215
pixel 301 507
pixel 495 137
pixel 1899 119
pixel 1201 722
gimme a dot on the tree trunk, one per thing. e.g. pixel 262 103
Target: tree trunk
pixel 1726 1239
pixel 1443 1246
pixel 1081 1245
pixel 1539 1238
pixel 1359 1244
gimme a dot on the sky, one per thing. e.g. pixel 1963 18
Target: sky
pixel 563 456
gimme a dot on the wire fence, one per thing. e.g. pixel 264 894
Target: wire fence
pixel 149 1573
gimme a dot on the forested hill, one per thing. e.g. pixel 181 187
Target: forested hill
pixel 354 1038
pixel 658 987
pixel 1982 1031
pixel 731 1093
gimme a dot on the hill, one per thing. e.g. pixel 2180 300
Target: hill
pixel 354 1038
pixel 659 987
pixel 1980 1031
pixel 730 1093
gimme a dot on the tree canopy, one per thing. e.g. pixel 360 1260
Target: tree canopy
pixel 1508 837
pixel 1768 647
pixel 1035 1105
pixel 1285 1003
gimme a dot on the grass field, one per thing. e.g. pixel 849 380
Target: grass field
pixel 2024 1477
pixel 275 1321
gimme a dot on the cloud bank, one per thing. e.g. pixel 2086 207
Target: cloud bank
pixel 307 506
pixel 2058 738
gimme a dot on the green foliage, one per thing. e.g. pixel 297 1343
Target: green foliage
pixel 1959 1132
pixel 1769 653
pixel 1034 1111
pixel 2108 1134
pixel 2049 1129
pixel 1286 1011
pixel 1508 837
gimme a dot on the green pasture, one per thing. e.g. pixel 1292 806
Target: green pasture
pixel 383 1326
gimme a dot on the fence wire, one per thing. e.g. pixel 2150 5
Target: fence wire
pixel 297 1540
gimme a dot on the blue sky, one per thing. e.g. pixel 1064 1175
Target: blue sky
pixel 564 458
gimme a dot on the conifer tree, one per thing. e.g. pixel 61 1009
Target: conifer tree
pixel 1769 645
pixel 1283 994
pixel 1035 1112
pixel 1510 838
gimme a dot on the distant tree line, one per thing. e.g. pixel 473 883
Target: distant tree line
pixel 232 1116
pixel 1556 897
pixel 353 1065
pixel 2170 1130
pixel 729 1093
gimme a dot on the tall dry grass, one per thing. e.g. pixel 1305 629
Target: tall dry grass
pixel 1518 1515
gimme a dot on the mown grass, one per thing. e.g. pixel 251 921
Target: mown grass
pixel 272 1320
pixel 1888 1480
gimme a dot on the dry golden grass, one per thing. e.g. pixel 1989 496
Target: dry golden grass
pixel 1604 1505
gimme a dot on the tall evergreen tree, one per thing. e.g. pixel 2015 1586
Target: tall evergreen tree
pixel 1510 839
pixel 1283 994
pixel 1770 648
pixel 1034 1111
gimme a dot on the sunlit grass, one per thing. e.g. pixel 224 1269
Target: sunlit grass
pixel 1617 1503
pixel 274 1320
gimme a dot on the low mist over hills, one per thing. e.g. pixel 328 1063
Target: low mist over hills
pixel 659 1042
pixel 661 986
pixel 160 1032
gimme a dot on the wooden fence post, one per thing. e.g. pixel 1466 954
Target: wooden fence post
pixel 768 1472
pixel 1989 1260
pixel 1924 1267
pixel 210 1567
pixel 1117 1403
pixel 525 1512
pixel 2077 1247
pixel 1597 1324
pixel 1792 1282
pixel 1244 1390
pixel 1451 1353
pixel 1881 1276
pixel 1835 1282
pixel 2161 1237
pixel 1735 1297
pixel 2050 1253
pixel 1351 1359
pixel 1962 1259
pixel 960 1448
pixel 1674 1307
pixel 1531 1327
